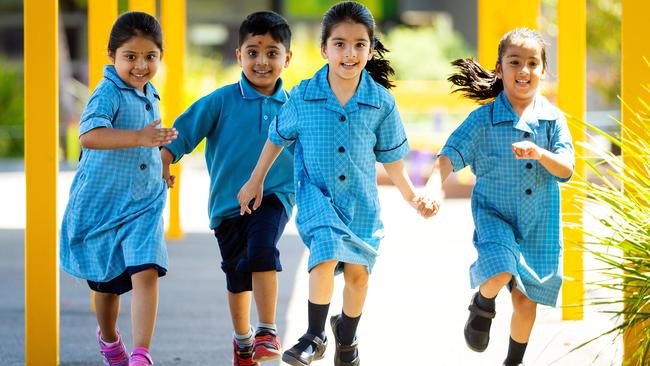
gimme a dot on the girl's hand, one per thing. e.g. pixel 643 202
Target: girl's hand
pixel 251 190
pixel 526 150
pixel 151 136
pixel 170 179
pixel 426 206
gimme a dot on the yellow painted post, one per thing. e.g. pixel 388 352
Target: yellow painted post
pixel 173 25
pixel 572 64
pixel 495 18
pixel 41 169
pixel 147 6
pixel 101 16
pixel 635 73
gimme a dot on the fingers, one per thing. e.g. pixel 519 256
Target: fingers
pixel 258 201
pixel 155 123
pixel 170 181
pixel 243 198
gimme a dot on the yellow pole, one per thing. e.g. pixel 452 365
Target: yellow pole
pixel 497 17
pixel 635 74
pixel 173 25
pixel 101 16
pixel 572 64
pixel 147 6
pixel 41 168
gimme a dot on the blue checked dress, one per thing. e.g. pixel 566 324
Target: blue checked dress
pixel 515 203
pixel 114 216
pixel 334 162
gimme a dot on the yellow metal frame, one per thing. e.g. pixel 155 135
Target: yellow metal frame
pixel 173 24
pixel 635 74
pixel 41 169
pixel 572 64
pixel 147 6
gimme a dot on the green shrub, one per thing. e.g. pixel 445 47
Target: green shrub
pixel 11 111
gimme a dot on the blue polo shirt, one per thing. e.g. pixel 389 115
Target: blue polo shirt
pixel 235 120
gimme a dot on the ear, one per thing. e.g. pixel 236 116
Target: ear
pixel 543 75
pixel 498 71
pixel 287 60
pixel 371 54
pixel 323 51
pixel 238 54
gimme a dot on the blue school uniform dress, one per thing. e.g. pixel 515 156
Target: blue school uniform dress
pixel 515 203
pixel 334 162
pixel 114 216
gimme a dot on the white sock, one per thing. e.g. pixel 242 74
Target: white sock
pixel 244 340
pixel 267 326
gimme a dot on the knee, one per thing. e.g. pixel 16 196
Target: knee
pixel 357 280
pixel 499 280
pixel 523 305
pixel 326 267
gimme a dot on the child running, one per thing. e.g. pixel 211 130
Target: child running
pixel 234 120
pixel 519 147
pixel 341 121
pixel 112 230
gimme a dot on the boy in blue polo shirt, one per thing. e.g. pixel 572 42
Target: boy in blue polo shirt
pixel 235 119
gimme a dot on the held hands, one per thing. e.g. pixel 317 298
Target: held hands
pixel 526 150
pixel 151 136
pixel 426 206
pixel 170 179
pixel 251 190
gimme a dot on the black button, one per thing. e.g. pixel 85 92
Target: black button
pixel 526 135
pixel 147 107
pixel 143 166
pixel 341 149
pixel 341 178
pixel 529 191
pixel 342 118
pixel 529 166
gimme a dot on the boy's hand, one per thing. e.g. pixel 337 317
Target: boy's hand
pixel 427 207
pixel 151 136
pixel 526 150
pixel 170 179
pixel 251 190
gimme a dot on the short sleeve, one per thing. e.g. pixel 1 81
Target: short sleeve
pixel 561 143
pixel 392 144
pixel 283 130
pixel 100 110
pixel 461 147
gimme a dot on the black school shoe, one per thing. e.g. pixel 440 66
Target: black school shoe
pixel 296 357
pixel 477 340
pixel 513 364
pixel 334 320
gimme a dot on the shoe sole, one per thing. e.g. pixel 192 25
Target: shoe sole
pixel 266 355
pixel 286 358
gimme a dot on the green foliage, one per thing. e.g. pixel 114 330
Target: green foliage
pixel 624 250
pixel 424 53
pixel 11 111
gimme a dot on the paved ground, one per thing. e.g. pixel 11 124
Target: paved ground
pixel 415 310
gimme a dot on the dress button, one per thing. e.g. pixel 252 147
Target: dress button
pixel 143 166
pixel 341 149
pixel 342 118
pixel 529 166
pixel 526 135
pixel 529 191
pixel 341 178
pixel 266 100
pixel 266 117
pixel 147 107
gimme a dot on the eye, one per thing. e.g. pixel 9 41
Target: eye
pixel 151 57
pixel 130 57
pixel 252 53
pixel 514 62
pixel 272 54
pixel 533 64
pixel 361 45
pixel 338 44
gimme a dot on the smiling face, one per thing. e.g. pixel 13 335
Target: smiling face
pixel 347 51
pixel 262 59
pixel 136 61
pixel 521 69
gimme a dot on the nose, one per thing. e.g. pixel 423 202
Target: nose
pixel 140 63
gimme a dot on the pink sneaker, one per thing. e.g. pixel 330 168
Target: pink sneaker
pixel 140 357
pixel 113 355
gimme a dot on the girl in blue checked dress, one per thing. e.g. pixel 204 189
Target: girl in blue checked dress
pixel 112 230
pixel 519 147
pixel 341 121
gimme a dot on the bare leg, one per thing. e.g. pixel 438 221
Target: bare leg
pixel 240 311
pixel 491 287
pixel 265 291
pixel 144 306
pixel 107 310
pixel 524 312
pixel 321 282
pixel 356 289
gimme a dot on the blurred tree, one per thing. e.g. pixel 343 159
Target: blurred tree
pixel 11 111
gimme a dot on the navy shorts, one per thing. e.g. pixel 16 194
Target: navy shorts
pixel 249 244
pixel 122 283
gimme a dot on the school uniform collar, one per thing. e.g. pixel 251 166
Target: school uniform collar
pixel 543 110
pixel 318 88
pixel 111 74
pixel 248 92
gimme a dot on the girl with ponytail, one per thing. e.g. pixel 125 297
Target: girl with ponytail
pixel 341 121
